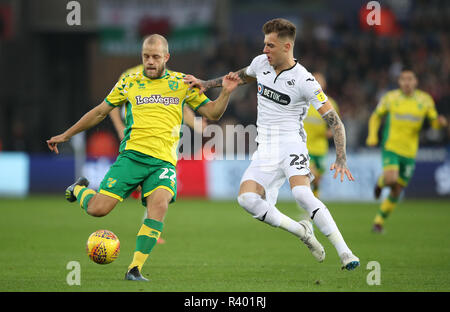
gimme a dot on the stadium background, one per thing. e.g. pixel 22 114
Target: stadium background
pixel 52 73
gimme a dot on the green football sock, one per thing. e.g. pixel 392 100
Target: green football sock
pixel 146 239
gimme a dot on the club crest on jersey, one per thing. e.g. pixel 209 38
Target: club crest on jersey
pixel 275 96
pixel 157 99
pixel 290 83
pixel 173 85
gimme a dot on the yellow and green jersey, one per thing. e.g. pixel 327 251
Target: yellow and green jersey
pixel 316 129
pixel 404 119
pixel 153 111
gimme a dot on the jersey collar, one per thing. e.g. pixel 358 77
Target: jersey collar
pixel 166 73
pixel 287 69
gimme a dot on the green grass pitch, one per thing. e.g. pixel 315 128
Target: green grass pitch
pixel 218 247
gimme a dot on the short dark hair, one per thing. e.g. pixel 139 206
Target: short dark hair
pixel 407 69
pixel 282 27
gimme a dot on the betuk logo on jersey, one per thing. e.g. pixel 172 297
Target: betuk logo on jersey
pixel 273 95
pixel 157 99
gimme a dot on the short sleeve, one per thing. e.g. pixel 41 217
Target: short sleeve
pixel 196 100
pixel 253 67
pixel 313 93
pixel 382 106
pixel 432 113
pixel 118 94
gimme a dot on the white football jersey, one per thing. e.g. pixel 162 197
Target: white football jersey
pixel 283 100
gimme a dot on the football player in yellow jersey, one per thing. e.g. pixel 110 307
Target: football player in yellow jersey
pixel 405 110
pixel 318 134
pixel 117 115
pixel 154 100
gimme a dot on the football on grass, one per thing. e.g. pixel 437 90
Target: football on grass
pixel 103 246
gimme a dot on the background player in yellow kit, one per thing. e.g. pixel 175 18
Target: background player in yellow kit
pixel 154 100
pixel 405 110
pixel 318 133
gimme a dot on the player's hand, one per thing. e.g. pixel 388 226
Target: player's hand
pixel 371 141
pixel 230 82
pixel 53 142
pixel 194 83
pixel 442 121
pixel 341 168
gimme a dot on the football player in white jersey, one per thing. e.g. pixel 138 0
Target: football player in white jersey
pixel 285 91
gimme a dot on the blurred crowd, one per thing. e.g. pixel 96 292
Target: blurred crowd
pixel 360 64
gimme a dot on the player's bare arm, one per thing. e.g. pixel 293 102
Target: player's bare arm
pixel 374 125
pixel 89 120
pixel 337 127
pixel 117 122
pixel 213 110
pixel 189 119
pixel 194 82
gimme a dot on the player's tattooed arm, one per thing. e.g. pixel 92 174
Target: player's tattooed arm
pixel 205 85
pixel 338 130
pixel 244 79
pixel 242 74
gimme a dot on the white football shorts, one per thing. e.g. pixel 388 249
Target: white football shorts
pixel 271 164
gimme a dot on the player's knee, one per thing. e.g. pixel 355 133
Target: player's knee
pixel 396 190
pixel 259 208
pixel 305 198
pixel 248 202
pixel 158 206
pixel 98 209
pixel 390 179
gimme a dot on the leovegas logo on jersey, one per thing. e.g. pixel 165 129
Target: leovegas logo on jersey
pixel 157 99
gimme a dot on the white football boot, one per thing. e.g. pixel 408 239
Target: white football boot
pixel 311 241
pixel 349 261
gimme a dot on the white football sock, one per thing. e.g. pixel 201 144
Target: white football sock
pixel 321 216
pixel 260 209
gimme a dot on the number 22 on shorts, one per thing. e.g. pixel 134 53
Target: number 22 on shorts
pixel 164 175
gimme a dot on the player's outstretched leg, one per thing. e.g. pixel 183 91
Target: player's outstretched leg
pixel 260 209
pixel 324 221
pixel 79 192
pixel 70 196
